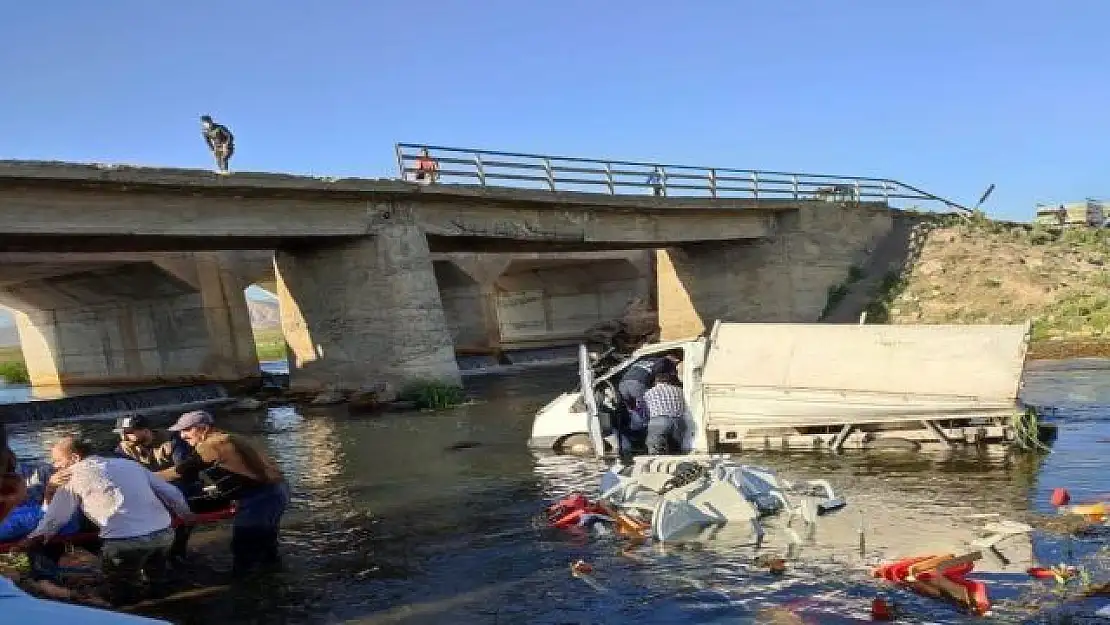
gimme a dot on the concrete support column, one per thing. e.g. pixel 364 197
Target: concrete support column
pixel 471 303
pixel 784 278
pixel 490 321
pixel 232 352
pixel 364 311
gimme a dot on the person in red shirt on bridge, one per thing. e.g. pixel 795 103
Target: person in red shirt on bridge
pixel 427 169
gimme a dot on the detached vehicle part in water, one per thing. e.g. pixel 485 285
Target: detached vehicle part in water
pixel 822 386
pixel 690 497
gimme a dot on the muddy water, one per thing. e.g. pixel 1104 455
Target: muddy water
pixel 427 518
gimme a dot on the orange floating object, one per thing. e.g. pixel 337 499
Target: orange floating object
pixel 1060 497
pixel 1041 572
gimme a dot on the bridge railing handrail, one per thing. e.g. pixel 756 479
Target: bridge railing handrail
pixel 547 171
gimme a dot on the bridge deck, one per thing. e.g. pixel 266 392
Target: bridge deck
pixel 129 179
pixel 83 208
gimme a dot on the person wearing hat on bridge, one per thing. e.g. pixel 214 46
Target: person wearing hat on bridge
pixel 236 470
pixel 158 451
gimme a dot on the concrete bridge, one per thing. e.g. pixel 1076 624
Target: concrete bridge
pixel 136 274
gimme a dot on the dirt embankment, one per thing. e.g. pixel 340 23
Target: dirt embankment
pixel 981 271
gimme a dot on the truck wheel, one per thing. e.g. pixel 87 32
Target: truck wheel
pixel 576 445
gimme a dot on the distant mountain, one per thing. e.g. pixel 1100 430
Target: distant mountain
pixel 264 313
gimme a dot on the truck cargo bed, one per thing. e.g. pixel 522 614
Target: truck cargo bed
pixel 805 385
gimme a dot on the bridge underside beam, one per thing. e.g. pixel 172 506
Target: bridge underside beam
pixel 134 324
pixel 492 245
pixel 108 244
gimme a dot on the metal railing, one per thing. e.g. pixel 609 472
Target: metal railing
pixel 563 173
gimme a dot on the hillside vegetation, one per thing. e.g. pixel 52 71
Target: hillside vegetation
pixel 981 271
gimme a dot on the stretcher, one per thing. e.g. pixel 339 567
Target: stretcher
pixel 83 538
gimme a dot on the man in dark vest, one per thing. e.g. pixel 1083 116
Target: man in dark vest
pixel 637 379
pixel 220 142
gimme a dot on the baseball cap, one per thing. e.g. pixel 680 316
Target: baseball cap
pixel 192 420
pixel 131 422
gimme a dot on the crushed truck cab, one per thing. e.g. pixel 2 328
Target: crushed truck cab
pixel 822 386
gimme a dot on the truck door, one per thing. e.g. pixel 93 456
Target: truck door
pixel 593 414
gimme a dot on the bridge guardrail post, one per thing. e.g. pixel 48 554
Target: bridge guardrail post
pixel 755 185
pixel 609 178
pixel 662 178
pixel 400 161
pixel 480 169
pixel 550 174
pixel 794 185
pixel 713 183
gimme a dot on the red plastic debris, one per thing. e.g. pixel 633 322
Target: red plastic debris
pixel 881 610
pixel 1048 573
pixel 572 511
pixel 1060 497
pixel 898 572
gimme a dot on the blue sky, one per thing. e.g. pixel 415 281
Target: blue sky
pixel 948 95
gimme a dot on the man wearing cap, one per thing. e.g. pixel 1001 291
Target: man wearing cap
pixel 237 470
pixel 157 451
pixel 153 450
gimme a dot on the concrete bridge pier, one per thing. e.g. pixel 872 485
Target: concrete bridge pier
pixel 135 323
pixel 784 277
pixel 468 289
pixel 363 311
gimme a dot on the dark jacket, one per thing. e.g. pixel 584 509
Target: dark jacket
pixel 645 370
pixel 164 451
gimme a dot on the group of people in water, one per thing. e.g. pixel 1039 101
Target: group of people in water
pixel 141 500
pixel 653 415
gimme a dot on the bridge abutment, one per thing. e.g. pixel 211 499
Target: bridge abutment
pixel 785 277
pixel 364 311
pixel 134 324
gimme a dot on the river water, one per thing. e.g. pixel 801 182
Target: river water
pixel 428 518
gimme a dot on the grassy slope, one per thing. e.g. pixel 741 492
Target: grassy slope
pixel 992 272
pixel 270 343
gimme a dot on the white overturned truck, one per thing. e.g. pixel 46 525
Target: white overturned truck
pixel 823 386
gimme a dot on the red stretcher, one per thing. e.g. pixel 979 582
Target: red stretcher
pixel 202 518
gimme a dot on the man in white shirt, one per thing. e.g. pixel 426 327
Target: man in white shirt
pixel 127 502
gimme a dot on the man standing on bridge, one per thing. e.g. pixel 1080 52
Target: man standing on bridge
pixel 220 141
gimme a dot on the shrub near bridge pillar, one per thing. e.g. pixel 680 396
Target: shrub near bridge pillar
pixel 363 312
